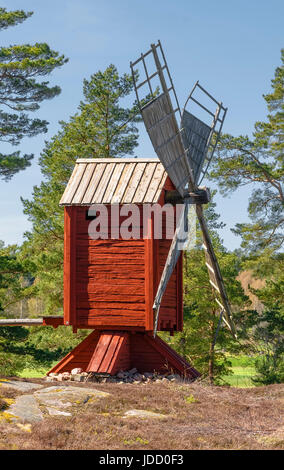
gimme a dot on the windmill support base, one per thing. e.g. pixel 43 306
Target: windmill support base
pixel 111 351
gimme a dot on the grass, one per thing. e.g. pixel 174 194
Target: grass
pixel 32 373
pixel 243 370
pixel 198 416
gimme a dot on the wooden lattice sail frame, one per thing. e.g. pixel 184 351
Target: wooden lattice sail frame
pixel 159 116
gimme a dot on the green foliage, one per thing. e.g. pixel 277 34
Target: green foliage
pixel 20 92
pixel 12 18
pixel 15 281
pixel 34 347
pixel 10 362
pixel 269 333
pixel 258 162
pixel 98 129
pixel 270 370
pixel 198 341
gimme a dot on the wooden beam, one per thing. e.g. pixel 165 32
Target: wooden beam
pixel 70 265
pixel 21 321
pixel 149 276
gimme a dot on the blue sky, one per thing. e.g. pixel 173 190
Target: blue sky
pixel 231 47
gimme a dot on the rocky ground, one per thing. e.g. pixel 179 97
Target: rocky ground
pixel 130 376
pixel 141 413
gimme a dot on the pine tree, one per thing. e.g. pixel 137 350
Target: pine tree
pixel 258 162
pixel 21 93
pixel 202 341
pixel 98 129
pixel 14 276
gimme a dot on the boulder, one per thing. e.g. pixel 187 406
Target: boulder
pixel 76 371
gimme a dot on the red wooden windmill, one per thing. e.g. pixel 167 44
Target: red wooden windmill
pixel 126 289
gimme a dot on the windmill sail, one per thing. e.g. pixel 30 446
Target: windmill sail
pixel 161 125
pixel 215 276
pixel 183 154
pixel 195 138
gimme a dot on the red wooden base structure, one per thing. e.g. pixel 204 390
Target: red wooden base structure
pixel 112 351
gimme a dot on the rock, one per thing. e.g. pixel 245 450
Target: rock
pixel 56 400
pixel 132 371
pixel 148 375
pixel 138 377
pixel 78 378
pixel 76 371
pixel 54 412
pixel 50 379
pixel 111 380
pixel 143 414
pixel 165 380
pixel 121 375
pixel 66 376
pixel 18 385
pixel 69 391
pixel 26 410
pixel 53 374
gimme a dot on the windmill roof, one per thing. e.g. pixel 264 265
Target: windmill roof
pixel 115 180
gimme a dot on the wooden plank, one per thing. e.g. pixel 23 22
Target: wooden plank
pixel 69 274
pixel 118 305
pixel 102 186
pixel 119 261
pixel 112 353
pixel 121 357
pixel 115 251
pixel 133 183
pixel 149 276
pixel 73 183
pixel 99 353
pixel 131 271
pixel 144 184
pixel 84 183
pixel 107 297
pixel 114 288
pixel 123 183
pixel 21 321
pixel 157 178
pixel 113 183
pixel 107 315
pixel 93 183
pixel 117 159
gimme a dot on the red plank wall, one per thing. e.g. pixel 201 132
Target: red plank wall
pixel 112 283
